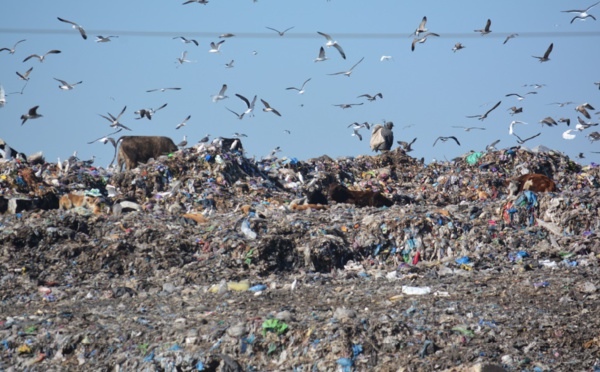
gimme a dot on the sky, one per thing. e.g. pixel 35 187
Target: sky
pixel 426 92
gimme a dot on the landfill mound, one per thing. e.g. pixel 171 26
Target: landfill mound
pixel 205 260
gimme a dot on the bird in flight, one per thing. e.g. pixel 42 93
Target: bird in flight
pixel 162 89
pixel 510 37
pixel 301 89
pixel 565 120
pixel 31 114
pixel 66 86
pixel 349 72
pixel 482 117
pixel 521 141
pixel 102 39
pixel 186 41
pixel 321 56
pixel 492 146
pixel 268 108
pixel 582 14
pixel 183 57
pixel 41 57
pixel 567 134
pixel 515 110
pixel 333 43
pixel 548 121
pixel 457 46
pixel 421 40
pixel 114 121
pixel 421 27
pixel 281 33
pixel 582 109
pixel 75 26
pixel 348 105
pixel 215 48
pixel 12 50
pixel 467 129
pixel 444 139
pixel 196 1
pixel 371 97
pixel 239 116
pixel 512 124
pixel 407 146
pixel 25 76
pixel 519 97
pixel 356 127
pixel 221 95
pixel 2 96
pixel 249 105
pixel 229 65
pixel 486 30
pixel 581 125
pixel 184 122
pixel 546 56
pixel 148 112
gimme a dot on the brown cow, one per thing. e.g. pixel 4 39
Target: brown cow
pixel 532 182
pixel 341 194
pixel 139 149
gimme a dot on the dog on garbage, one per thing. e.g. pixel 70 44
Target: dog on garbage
pixel 72 200
pixel 533 182
pixel 342 194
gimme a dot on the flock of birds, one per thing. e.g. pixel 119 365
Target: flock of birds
pixel 421 34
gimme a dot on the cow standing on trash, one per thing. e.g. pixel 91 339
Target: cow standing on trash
pixel 382 137
pixel 139 149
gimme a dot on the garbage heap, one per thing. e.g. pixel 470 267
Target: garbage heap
pixel 207 260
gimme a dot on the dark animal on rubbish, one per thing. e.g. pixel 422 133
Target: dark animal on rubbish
pixel 533 182
pixel 341 194
pixel 139 149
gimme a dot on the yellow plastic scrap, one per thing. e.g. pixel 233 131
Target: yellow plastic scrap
pixel 24 349
pixel 238 286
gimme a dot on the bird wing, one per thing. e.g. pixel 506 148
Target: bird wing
pixel 322 52
pixel 61 81
pixel 223 89
pixel 275 112
pixel 455 139
pixel 339 48
pixel 53 51
pixel 161 107
pixel 356 64
pixel 422 24
pixel 325 35
pixel 243 99
pixel 487 25
pixel 270 28
pixel 436 140
pixel 32 111
pixel 547 54
pixel 493 108
pixel 31 56
pixel 287 29
pixel 265 103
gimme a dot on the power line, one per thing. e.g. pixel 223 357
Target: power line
pixel 300 35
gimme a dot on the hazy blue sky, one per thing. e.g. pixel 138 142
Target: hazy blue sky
pixel 431 89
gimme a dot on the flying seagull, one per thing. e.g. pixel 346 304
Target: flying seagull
pixel 321 56
pixel 421 40
pixel 268 108
pixel 565 120
pixel 2 96
pixel 162 89
pixel 444 139
pixel 25 76
pixel 521 141
pixel 229 65
pixel 512 124
pixel 249 105
pixel 41 57
pixel 567 134
pixel 421 27
pixel 281 33
pixel 227 35
pixel 363 125
pixel 482 117
pixel 12 50
pixel 457 46
pixel 486 30
pixel 546 56
pixel 196 1
pixel 385 58
pixel 114 121
pixel 215 48
pixel 492 146
pixel 148 112
pixel 301 89
pixel 467 129
pixel 583 14
pixel 66 86
pixel 348 105
pixel 519 97
pixel 356 127
pixel 510 37
pixel 239 116
pixel 515 110
pixel 186 41
pixel 184 122
pixel 221 95
pixel 406 146
pixel 371 97
pixel 183 57
pixel 349 72
pixel 75 26
pixel 31 114
pixel 561 104
pixel 239 135
pixel 102 39
pixel 548 121
pixel 582 125
pixel 594 136
pixel 333 43
pixel 582 109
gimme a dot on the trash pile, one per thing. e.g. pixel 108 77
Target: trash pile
pixel 205 260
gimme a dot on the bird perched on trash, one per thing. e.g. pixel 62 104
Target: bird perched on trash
pixel 75 26
pixel 147 113
pixel 482 117
pixel 31 114
pixel 486 30
pixel 382 137
pixel 183 143
pixel 407 146
pixel 444 139
pixel 546 56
